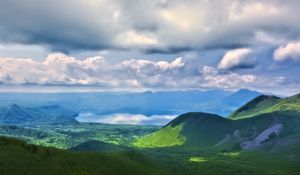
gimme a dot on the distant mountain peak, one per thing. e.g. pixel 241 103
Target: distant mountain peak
pixel 244 90
pixel 14 108
pixel 11 106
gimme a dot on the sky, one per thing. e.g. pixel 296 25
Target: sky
pixel 137 45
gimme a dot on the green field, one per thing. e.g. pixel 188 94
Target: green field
pixel 67 136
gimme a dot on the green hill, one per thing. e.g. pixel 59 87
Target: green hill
pixel 262 121
pixel 17 157
pixel 267 104
pixel 190 129
pixel 255 106
pixel 199 130
pixel 199 143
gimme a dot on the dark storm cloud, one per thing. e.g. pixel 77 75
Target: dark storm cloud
pixel 169 50
pixel 159 26
pixel 60 25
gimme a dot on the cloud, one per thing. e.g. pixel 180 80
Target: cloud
pixel 149 26
pixel 290 51
pixel 60 69
pixel 249 10
pixel 124 118
pixel 237 59
pixel 131 38
pixel 133 74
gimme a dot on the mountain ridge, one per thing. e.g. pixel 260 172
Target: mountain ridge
pixel 147 103
pixel 267 104
pixel 54 114
pixel 259 103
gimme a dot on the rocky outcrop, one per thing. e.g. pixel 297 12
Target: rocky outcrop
pixel 262 137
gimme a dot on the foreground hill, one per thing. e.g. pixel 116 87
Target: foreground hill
pixel 208 144
pixel 17 157
pixel 266 121
pixel 51 114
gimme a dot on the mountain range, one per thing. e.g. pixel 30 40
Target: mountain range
pixel 148 103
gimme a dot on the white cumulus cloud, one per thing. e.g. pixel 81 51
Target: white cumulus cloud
pixel 290 51
pixel 237 59
pixel 133 74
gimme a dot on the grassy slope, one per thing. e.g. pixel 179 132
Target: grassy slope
pixel 255 106
pixel 95 145
pixel 267 104
pixel 248 162
pixel 17 157
pixel 188 130
pixel 168 136
pixel 192 162
pixel 283 160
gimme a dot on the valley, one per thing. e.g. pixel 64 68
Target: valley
pixel 260 137
pixel 68 136
pixel 149 87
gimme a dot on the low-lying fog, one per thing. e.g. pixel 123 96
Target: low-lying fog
pixel 125 118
